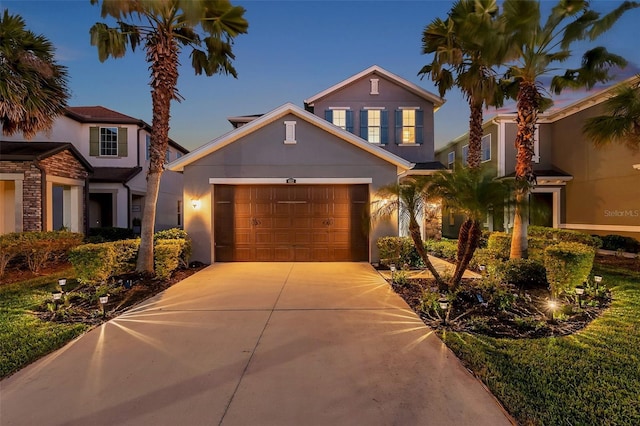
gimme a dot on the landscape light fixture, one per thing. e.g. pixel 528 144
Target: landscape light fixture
pixel 392 268
pixel 579 293
pixel 62 282
pixel 597 279
pixel 482 268
pixel 56 295
pixel 552 305
pixel 103 301
pixel 444 305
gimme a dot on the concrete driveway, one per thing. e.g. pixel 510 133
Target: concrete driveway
pixel 256 344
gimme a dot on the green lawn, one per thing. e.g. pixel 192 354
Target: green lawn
pixel 23 337
pixel 590 378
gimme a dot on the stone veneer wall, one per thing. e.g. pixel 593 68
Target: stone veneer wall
pixel 63 164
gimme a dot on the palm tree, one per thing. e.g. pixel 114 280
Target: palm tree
pixel 541 48
pixel 163 28
pixel 465 51
pixel 33 87
pixel 408 198
pixel 621 122
pixel 474 192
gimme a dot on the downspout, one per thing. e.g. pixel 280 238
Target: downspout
pixel 87 224
pixel 43 195
pixel 128 204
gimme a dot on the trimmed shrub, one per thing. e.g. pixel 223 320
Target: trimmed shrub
pixel 9 249
pixel 500 243
pixel 564 235
pixel 617 242
pixel 177 234
pixel 486 257
pixel 398 250
pixel 101 235
pixel 37 247
pixel 444 249
pixel 125 255
pixel 93 262
pixel 568 265
pixel 523 273
pixel 167 257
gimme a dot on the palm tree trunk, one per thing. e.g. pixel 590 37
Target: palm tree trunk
pixel 414 231
pixel 525 178
pixel 472 235
pixel 162 54
pixel 474 156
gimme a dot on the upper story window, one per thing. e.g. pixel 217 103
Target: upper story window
pixel 465 155
pixel 178 155
pixel 108 141
pixel 341 117
pixel 486 148
pixel 409 123
pixel 374 125
pixel 167 156
pixel 451 160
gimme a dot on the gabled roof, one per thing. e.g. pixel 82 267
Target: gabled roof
pixel 288 108
pixel 375 69
pixel 29 151
pixel 101 115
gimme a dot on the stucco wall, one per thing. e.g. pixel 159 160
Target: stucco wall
pixel 391 96
pixel 263 154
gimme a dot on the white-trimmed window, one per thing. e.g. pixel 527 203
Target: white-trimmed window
pixel 409 123
pixel 108 141
pixel 341 117
pixel 451 160
pixel 148 146
pixel 374 125
pixel 290 132
pixel 374 86
pixel 485 155
pixel 179 212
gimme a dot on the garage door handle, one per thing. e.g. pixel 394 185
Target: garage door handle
pixel 327 222
pixel 256 222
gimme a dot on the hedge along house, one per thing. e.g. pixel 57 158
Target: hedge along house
pixel 43 187
pixel 287 186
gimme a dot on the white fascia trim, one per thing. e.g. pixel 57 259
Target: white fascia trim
pixel 64 180
pixel 340 108
pixel 436 100
pixel 283 181
pixel 420 172
pixel 596 227
pixel 374 108
pixel 288 108
pixel 553 180
pixel 11 176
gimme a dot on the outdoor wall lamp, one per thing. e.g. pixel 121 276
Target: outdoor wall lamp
pixel 195 204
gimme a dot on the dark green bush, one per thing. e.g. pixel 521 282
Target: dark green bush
pixel 36 248
pixel 444 249
pixel 167 257
pixel 568 265
pixel 523 273
pixel 500 243
pixel 177 234
pixel 101 235
pixel 617 242
pixel 564 235
pixel 126 253
pixel 93 262
pixel 398 250
pixel 486 257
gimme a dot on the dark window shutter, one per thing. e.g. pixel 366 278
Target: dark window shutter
pixel 122 142
pixel 364 124
pixel 419 126
pixel 328 115
pixel 384 127
pixel 94 141
pixel 398 126
pixel 349 121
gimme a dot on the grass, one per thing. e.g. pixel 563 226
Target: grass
pixel 591 377
pixel 24 337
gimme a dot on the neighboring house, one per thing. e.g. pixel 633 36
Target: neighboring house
pixel 43 186
pixel 117 148
pixel 579 186
pixel 290 185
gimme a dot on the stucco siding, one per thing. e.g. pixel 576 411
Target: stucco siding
pixel 263 154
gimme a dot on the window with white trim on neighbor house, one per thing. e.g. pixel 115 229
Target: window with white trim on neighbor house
pixel 486 148
pixel 465 155
pixel 109 141
pixel 374 125
pixel 340 117
pixel 451 159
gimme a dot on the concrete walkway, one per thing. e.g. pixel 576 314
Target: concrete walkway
pixel 256 344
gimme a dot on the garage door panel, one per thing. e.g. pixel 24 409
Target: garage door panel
pixel 291 222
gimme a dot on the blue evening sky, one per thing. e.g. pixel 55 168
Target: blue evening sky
pixel 294 49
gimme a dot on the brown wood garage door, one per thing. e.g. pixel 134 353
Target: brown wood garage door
pixel 291 223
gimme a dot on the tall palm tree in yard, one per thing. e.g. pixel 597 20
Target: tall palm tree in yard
pixel 621 121
pixel 541 49
pixel 466 50
pixel 408 198
pixel 474 192
pixel 33 87
pixel 163 28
